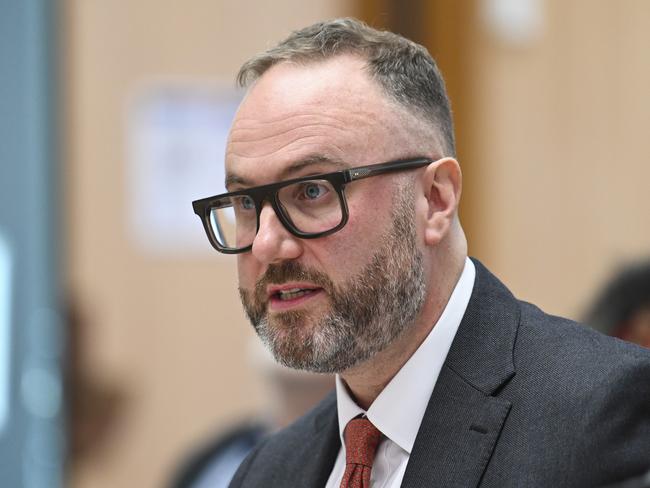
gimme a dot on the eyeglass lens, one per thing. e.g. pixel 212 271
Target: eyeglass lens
pixel 311 207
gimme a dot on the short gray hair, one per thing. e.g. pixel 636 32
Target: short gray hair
pixel 405 70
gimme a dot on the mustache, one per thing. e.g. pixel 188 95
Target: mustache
pixel 290 271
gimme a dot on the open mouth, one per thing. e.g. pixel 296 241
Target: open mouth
pixel 292 294
pixel 283 297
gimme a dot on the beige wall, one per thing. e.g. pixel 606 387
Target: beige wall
pixel 560 151
pixel 554 147
pixel 168 332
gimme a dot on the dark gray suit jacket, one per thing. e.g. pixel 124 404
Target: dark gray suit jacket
pixel 524 399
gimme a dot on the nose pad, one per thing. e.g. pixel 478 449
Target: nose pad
pixel 273 242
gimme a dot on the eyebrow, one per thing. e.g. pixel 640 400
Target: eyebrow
pixel 313 159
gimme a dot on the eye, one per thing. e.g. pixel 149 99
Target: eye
pixel 312 191
pixel 246 203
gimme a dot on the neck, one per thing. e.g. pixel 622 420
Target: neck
pixel 367 380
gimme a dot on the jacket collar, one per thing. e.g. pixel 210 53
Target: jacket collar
pixel 482 351
pixel 463 420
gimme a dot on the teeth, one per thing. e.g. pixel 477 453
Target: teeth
pixel 291 294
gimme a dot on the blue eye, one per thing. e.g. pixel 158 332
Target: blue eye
pixel 247 203
pixel 312 191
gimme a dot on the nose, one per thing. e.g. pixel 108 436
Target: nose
pixel 273 243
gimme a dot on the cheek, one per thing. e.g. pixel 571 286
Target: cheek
pixel 352 247
pixel 246 271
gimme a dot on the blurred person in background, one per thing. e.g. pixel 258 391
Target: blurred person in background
pixel 342 212
pixel 288 394
pixel 622 308
pixel 96 406
pixel 642 481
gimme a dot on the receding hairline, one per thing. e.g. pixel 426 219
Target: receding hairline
pixel 306 62
pixel 404 70
pixel 253 69
pixel 323 40
pixel 405 115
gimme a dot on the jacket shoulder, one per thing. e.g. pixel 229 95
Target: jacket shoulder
pixel 582 398
pixel 554 342
pixel 301 451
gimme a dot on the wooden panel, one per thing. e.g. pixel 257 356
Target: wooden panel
pixel 375 13
pixel 449 36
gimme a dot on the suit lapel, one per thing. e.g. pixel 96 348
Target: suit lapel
pixel 457 437
pixel 313 462
pixel 463 419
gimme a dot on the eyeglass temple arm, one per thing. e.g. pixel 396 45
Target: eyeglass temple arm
pixel 377 169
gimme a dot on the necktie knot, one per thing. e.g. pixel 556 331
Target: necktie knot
pixel 361 441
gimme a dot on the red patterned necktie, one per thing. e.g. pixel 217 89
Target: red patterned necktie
pixel 361 440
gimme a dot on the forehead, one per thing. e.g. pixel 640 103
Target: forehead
pixel 326 110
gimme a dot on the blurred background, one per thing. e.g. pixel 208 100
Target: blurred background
pixel 123 346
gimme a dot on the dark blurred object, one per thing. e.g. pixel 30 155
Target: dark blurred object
pixel 623 307
pixel 639 482
pixel 213 465
pixel 94 405
pixel 288 394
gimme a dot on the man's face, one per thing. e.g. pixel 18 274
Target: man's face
pixel 330 303
pixel 366 313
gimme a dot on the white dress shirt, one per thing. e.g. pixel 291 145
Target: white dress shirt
pixel 398 410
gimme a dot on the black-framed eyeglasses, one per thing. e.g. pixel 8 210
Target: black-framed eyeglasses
pixel 308 207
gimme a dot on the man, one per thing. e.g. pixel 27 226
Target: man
pixel 344 196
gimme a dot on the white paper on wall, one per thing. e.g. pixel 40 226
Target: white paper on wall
pixel 516 22
pixel 177 137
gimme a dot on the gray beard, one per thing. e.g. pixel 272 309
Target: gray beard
pixel 367 313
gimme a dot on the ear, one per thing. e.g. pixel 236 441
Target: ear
pixel 442 182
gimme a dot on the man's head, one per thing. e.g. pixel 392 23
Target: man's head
pixel 332 97
pixel 366 312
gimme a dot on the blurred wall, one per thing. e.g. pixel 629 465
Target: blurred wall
pixel 557 145
pixel 551 130
pixel 166 334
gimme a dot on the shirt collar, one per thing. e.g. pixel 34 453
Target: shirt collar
pixel 416 379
